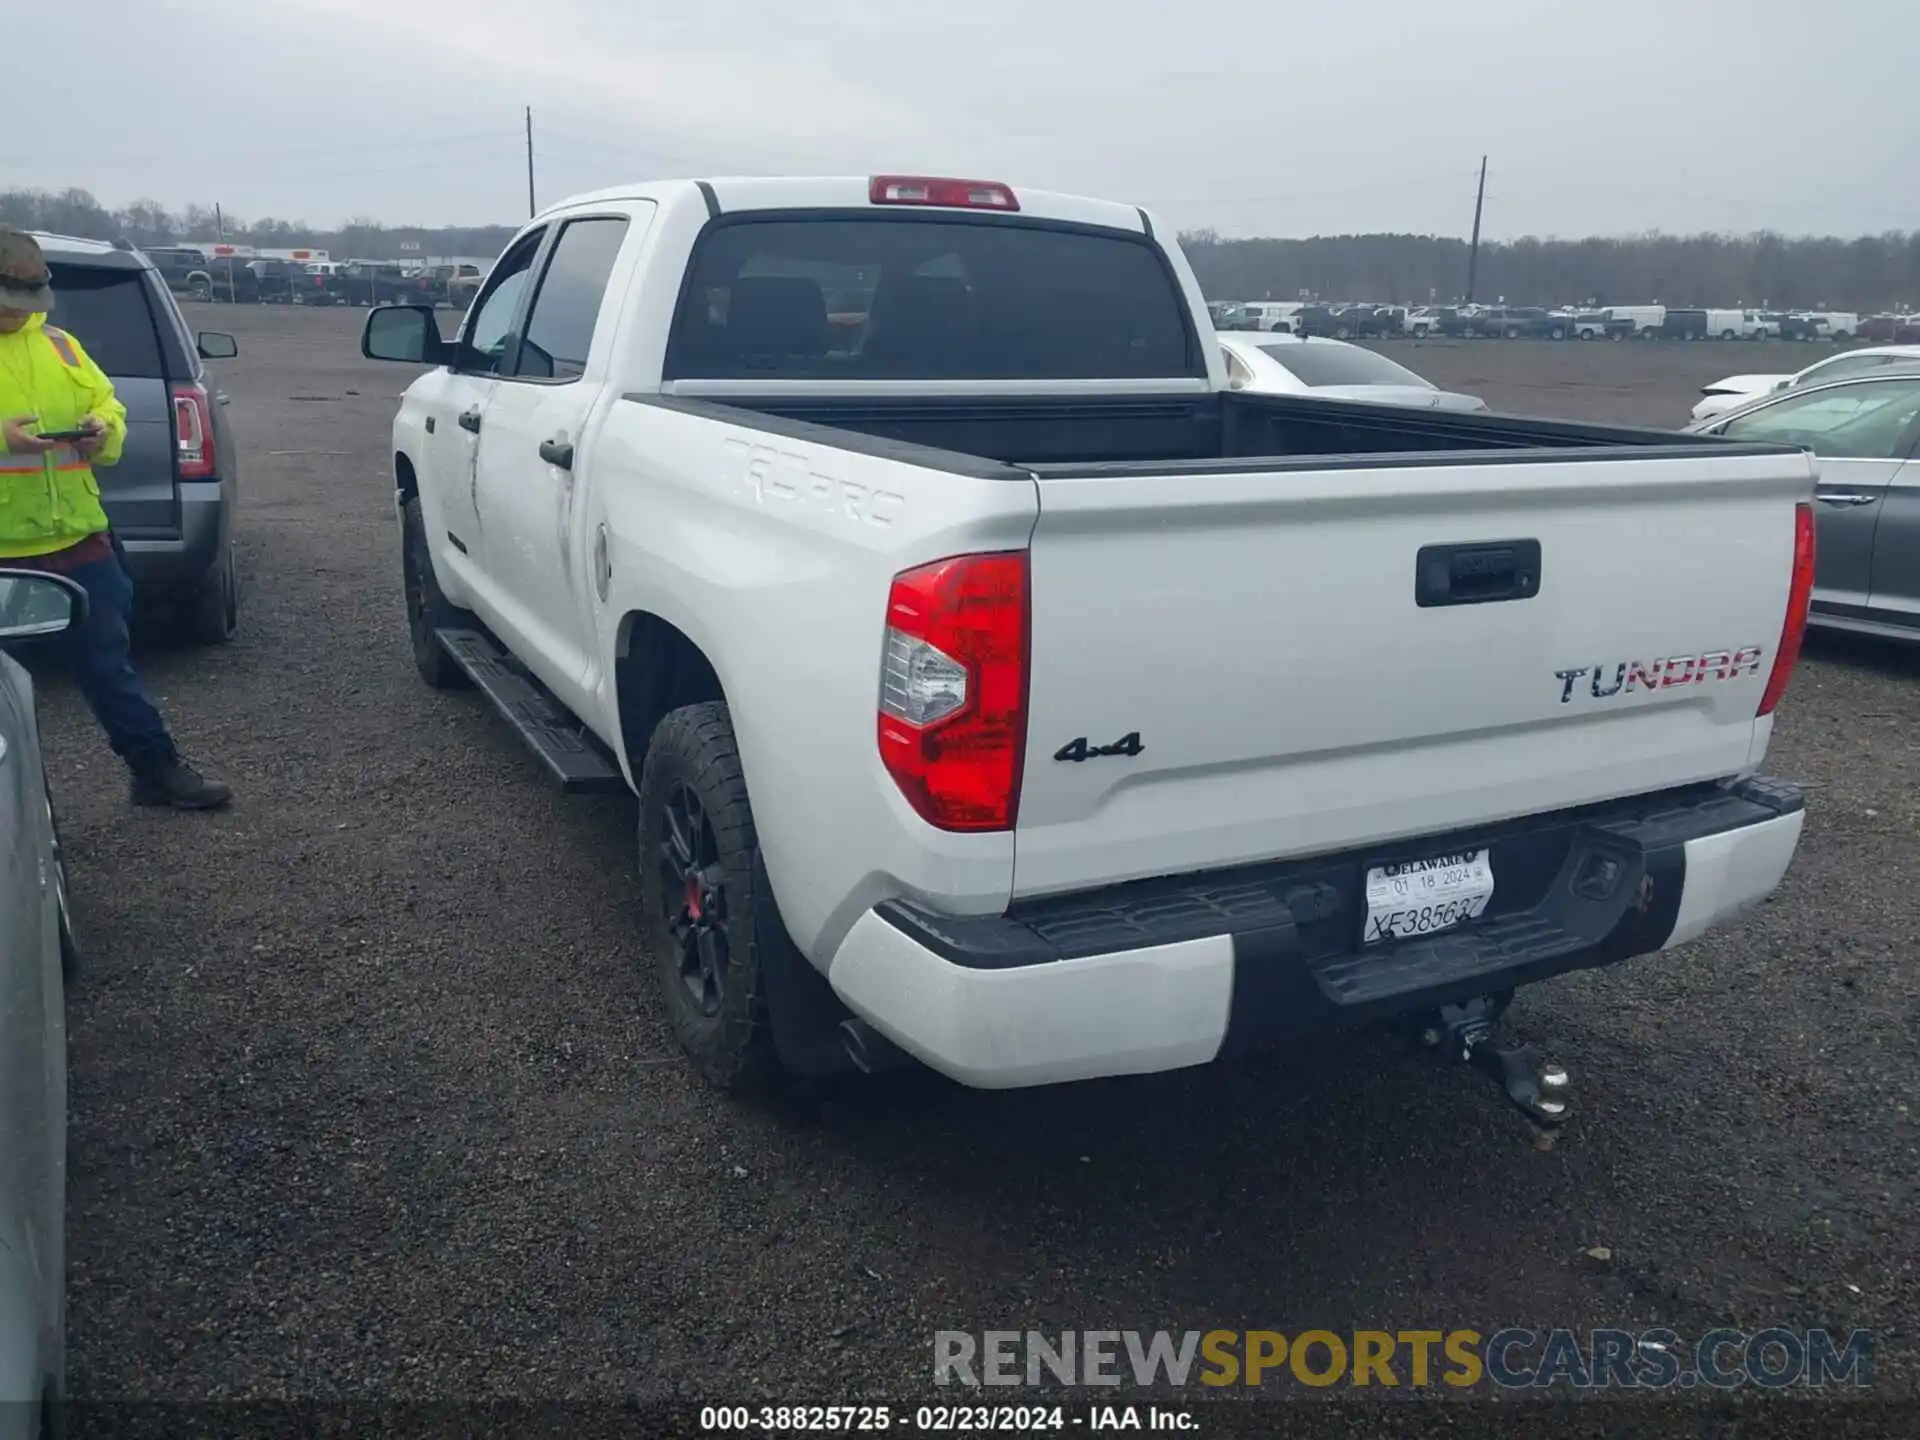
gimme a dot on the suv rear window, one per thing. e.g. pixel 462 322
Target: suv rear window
pixel 107 311
pixel 940 300
pixel 1331 363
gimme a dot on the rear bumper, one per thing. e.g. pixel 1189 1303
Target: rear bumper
pixel 206 527
pixel 1162 974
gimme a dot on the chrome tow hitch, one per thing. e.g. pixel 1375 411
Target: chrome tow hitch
pixel 1537 1088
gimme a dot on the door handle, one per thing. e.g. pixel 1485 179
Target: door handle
pixel 470 420
pixel 1844 497
pixel 1476 574
pixel 557 452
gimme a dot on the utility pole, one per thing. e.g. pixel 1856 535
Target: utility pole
pixel 220 235
pixel 1473 250
pixel 531 212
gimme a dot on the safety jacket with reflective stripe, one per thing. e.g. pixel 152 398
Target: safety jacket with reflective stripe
pixel 50 501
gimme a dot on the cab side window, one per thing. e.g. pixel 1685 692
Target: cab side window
pixel 485 345
pixel 559 332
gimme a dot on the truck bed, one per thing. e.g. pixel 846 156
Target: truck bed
pixel 1088 436
pixel 1318 624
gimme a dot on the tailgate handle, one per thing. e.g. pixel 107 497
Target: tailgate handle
pixel 1476 574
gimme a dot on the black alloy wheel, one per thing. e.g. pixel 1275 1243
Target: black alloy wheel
pixel 693 899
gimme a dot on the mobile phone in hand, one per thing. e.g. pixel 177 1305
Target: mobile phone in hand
pixel 62 437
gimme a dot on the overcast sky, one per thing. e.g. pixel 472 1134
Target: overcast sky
pixel 1256 117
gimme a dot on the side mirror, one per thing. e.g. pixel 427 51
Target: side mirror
pixel 216 345
pixel 33 605
pixel 406 333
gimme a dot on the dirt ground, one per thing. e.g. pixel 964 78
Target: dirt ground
pixel 371 1095
pixel 1614 382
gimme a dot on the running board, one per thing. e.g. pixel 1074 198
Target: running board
pixel 568 751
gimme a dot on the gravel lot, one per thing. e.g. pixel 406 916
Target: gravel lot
pixel 371 1097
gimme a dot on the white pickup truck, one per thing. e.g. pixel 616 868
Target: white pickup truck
pixel 1003 690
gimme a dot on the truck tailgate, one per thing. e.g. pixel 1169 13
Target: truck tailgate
pixel 1252 653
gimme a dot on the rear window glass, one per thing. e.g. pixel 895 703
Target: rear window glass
pixel 1337 364
pixel 107 312
pixel 900 299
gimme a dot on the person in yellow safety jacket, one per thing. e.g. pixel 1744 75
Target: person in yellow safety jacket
pixel 51 519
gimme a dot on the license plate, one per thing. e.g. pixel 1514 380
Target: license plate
pixel 1421 897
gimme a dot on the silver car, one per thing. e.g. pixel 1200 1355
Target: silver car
pixel 1272 364
pixel 1866 433
pixel 37 954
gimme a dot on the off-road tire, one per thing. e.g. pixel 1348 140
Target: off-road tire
pixel 694 747
pixel 428 609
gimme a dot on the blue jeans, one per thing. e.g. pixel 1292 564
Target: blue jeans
pixel 103 666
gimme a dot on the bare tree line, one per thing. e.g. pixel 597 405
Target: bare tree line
pixel 1868 273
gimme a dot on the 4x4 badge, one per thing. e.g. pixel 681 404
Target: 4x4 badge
pixel 1078 749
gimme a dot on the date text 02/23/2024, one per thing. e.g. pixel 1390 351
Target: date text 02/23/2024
pixel 943 1419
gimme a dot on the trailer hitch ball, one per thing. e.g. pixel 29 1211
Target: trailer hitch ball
pixel 1538 1089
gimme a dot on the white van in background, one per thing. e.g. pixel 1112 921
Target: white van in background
pixel 1726 324
pixel 1836 325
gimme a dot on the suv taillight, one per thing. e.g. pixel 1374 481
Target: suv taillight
pixel 953 689
pixel 193 433
pixel 1799 596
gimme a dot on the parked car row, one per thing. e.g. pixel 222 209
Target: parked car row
pixel 1363 320
pixel 190 271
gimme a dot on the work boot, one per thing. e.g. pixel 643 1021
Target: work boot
pixel 174 782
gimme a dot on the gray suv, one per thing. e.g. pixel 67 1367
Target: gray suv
pixel 171 497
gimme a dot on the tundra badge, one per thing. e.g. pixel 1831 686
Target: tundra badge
pixel 1629 677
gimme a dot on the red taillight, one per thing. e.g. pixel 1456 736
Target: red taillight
pixel 193 433
pixel 932 190
pixel 1799 596
pixel 953 689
